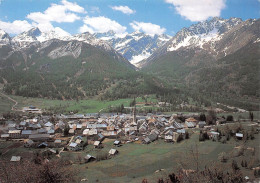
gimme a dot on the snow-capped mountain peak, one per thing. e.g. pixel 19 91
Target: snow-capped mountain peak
pixel 135 46
pixel 4 38
pixel 106 35
pixel 56 33
pixel 91 39
pixel 202 32
pixel 36 35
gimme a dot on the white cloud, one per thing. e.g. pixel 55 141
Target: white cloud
pixel 198 10
pixel 147 28
pixel 1 1
pixel 101 24
pixel 64 12
pixel 123 9
pixel 15 27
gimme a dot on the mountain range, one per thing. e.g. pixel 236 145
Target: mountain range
pixel 135 47
pixel 218 58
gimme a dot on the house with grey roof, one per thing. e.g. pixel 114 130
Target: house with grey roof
pixel 15 158
pixel 26 133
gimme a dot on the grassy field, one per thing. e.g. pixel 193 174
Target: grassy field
pixel 239 115
pixel 81 106
pixel 90 105
pixel 5 104
pixel 137 161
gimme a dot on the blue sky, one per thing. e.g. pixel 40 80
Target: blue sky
pixel 150 16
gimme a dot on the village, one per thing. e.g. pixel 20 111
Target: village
pixel 72 133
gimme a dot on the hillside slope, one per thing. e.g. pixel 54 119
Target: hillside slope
pixel 225 65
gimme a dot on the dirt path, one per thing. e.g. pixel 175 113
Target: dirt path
pixel 9 98
pixel 62 150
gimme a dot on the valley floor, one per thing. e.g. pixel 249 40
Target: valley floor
pixel 89 105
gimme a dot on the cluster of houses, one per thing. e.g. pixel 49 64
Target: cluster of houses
pixel 94 128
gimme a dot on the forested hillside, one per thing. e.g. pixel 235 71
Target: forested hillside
pixel 71 70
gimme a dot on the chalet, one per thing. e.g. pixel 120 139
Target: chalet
pixel 23 124
pixel 117 142
pixel 43 145
pixel 57 141
pixel 28 143
pixel 146 140
pixel 239 136
pixel 213 135
pixel 51 132
pixel 85 132
pixel 92 132
pixel 60 124
pixel 78 128
pixel 78 141
pixel 111 128
pixel 33 126
pixel 143 127
pixel 101 126
pixel 177 125
pixel 75 147
pixel 99 137
pixel 168 135
pixel 113 152
pixel 191 120
pixel 42 131
pixel 15 158
pixel 133 133
pixel 32 109
pixel 71 132
pixel 11 126
pixel 168 138
pixel 221 121
pixel 110 134
pixel 50 151
pixel 48 124
pixel 190 124
pixel 26 133
pixel 181 131
pixel 97 144
pixel 175 136
pixel 120 133
pixel 58 130
pixel 150 138
pixel 201 124
pixel 91 126
pixel 5 136
pixel 14 134
pixel 40 137
pixel 89 158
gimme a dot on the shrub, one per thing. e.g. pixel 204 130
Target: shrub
pixel 230 118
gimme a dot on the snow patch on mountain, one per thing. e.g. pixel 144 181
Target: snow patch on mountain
pixel 137 58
